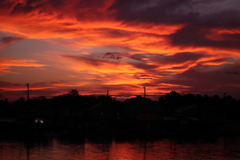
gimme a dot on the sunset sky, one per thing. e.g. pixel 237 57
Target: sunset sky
pixel 189 46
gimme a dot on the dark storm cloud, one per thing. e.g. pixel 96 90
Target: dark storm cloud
pixel 179 57
pixel 192 35
pixel 214 81
pixel 223 19
pixel 233 37
pixel 184 12
pixel 176 11
pixel 163 11
pixel 158 11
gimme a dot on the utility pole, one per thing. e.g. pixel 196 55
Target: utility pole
pixel 107 93
pixel 27 91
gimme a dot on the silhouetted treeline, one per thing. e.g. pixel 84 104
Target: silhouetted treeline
pixel 174 100
pixel 76 102
pixel 74 113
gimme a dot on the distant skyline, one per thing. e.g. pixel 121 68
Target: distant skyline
pixel 189 46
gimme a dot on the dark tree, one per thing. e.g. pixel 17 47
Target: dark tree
pixel 171 100
pixel 189 99
pixel 73 93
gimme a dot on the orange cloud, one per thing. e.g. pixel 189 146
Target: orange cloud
pixel 225 31
pixel 45 21
pixel 222 34
pixel 9 87
pixel 7 62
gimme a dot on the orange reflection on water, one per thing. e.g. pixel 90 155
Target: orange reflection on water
pixel 107 149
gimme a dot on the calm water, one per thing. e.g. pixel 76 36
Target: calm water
pixel 120 149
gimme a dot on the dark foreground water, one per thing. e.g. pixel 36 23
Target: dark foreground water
pixel 112 148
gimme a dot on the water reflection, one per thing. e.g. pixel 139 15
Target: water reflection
pixel 110 148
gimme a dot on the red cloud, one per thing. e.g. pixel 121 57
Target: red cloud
pixel 7 62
